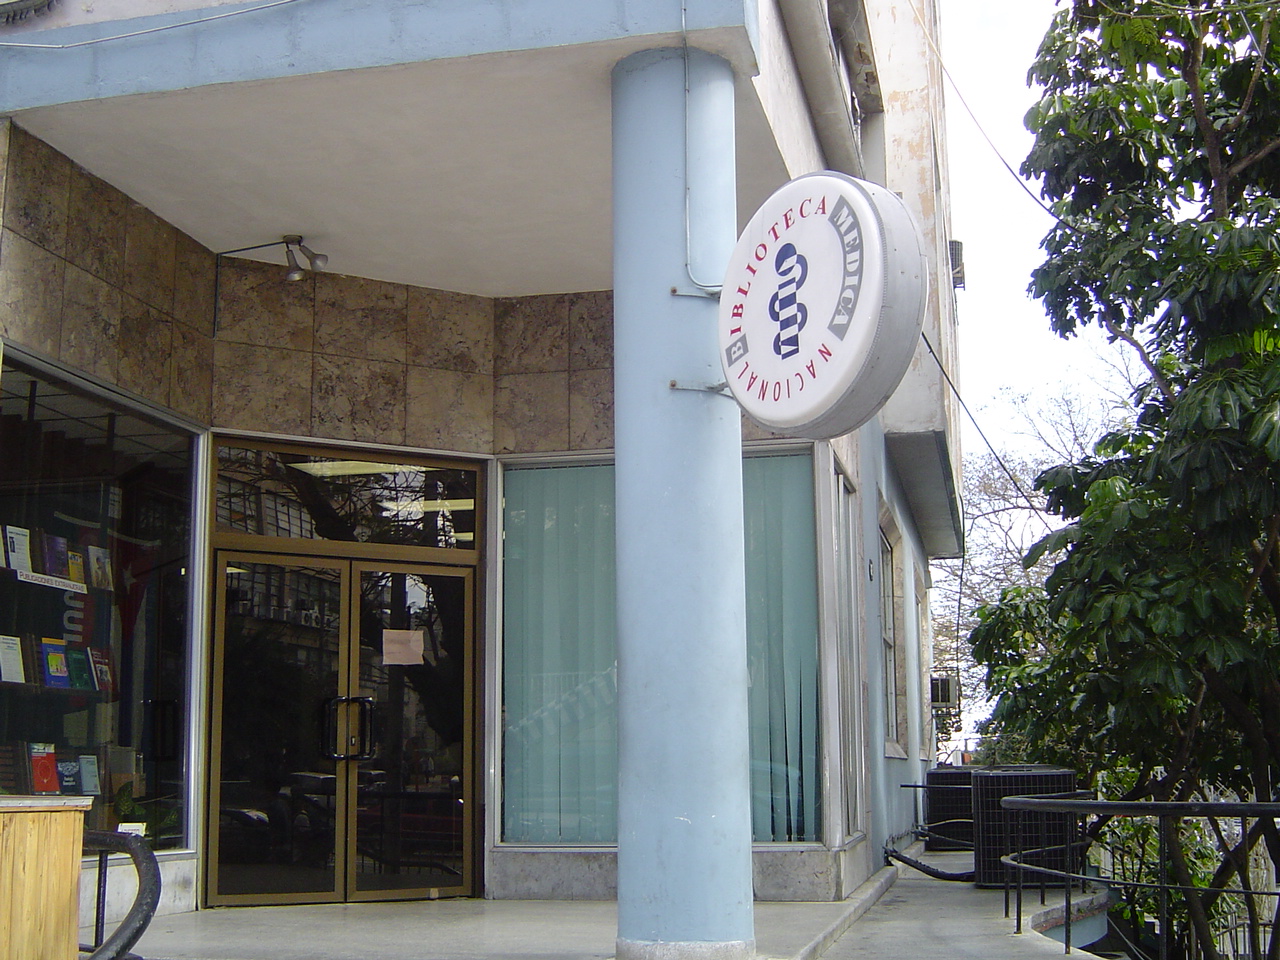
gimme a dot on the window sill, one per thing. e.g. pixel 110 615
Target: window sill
pixel 893 750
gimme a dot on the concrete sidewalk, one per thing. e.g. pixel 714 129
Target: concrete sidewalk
pixel 914 918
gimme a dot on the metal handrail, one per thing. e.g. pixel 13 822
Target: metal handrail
pixel 1082 803
pixel 136 921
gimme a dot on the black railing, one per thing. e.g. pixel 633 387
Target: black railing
pixel 1166 815
pixel 135 922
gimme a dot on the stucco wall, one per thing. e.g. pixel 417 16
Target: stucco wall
pixel 95 280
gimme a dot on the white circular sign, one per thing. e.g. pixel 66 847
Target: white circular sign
pixel 822 305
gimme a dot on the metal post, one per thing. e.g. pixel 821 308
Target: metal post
pixel 100 916
pixel 1071 858
pixel 1161 825
pixel 684 811
pixel 1017 826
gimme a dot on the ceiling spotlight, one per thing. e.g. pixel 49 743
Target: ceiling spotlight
pixel 295 271
pixel 315 261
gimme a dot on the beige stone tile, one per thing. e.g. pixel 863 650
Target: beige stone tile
pixel 450 331
pixel 96 226
pixel 191 366
pixel 193 282
pixel 531 334
pixel 31 280
pixel 449 410
pixel 90 324
pixel 146 336
pixel 150 251
pixel 591 409
pixel 37 191
pixel 591 330
pixel 531 412
pixel 358 400
pixel 753 431
pixel 261 388
pixel 356 317
pixel 257 305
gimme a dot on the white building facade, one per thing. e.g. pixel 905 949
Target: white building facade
pixel 385 557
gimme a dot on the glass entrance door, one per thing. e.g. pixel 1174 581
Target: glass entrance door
pixel 412 775
pixel 341 765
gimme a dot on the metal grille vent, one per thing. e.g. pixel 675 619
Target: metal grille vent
pixel 993 827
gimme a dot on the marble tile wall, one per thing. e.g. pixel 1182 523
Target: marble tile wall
pixel 93 279
pixel 97 281
pixel 553 373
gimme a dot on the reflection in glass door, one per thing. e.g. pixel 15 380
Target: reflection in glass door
pixel 275 790
pixel 412 770
pixel 341 767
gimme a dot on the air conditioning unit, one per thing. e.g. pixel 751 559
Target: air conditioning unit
pixel 948 807
pixel 956 250
pixel 1045 838
pixel 945 692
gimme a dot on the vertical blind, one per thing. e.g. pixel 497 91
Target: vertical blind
pixel 560 743
pixel 782 646
pixel 559 660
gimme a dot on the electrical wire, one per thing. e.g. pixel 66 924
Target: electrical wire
pixel 142 33
pixel 933 47
pixel 981 433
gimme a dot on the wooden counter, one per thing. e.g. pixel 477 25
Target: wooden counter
pixel 40 841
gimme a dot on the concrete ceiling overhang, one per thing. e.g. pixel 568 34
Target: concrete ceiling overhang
pixel 923 464
pixel 486 174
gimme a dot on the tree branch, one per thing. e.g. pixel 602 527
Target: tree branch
pixel 1263 556
pixel 1121 334
pixel 1212 139
pixel 1238 119
pixel 1241 165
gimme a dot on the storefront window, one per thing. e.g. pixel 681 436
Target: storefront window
pixel 299 495
pixel 559 653
pixel 95 503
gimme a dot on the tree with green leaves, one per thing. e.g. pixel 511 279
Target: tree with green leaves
pixel 1154 645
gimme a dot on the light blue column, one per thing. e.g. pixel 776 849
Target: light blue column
pixel 684 824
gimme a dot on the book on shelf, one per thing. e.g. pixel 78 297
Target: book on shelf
pixel 55 555
pixel 79 668
pixel 90 782
pixel 69 775
pixel 103 677
pixel 99 561
pixel 17 543
pixel 12 669
pixel 75 566
pixel 15 775
pixel 53 658
pixel 44 768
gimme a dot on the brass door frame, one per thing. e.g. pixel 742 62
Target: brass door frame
pixel 345 889
pixel 223 558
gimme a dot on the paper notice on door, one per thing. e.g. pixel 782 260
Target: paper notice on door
pixel 402 646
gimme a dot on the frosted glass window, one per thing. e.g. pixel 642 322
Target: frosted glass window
pixel 782 647
pixel 560 731
pixel 559 661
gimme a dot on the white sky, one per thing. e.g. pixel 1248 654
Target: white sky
pixel 1005 339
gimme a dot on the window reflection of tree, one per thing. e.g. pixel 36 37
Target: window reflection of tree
pixel 437 681
pixel 385 507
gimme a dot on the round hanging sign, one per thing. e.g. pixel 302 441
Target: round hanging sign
pixel 822 305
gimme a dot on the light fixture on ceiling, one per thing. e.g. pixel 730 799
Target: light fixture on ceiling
pixel 316 262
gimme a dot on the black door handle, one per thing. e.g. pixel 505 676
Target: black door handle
pixel 329 729
pixel 366 709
